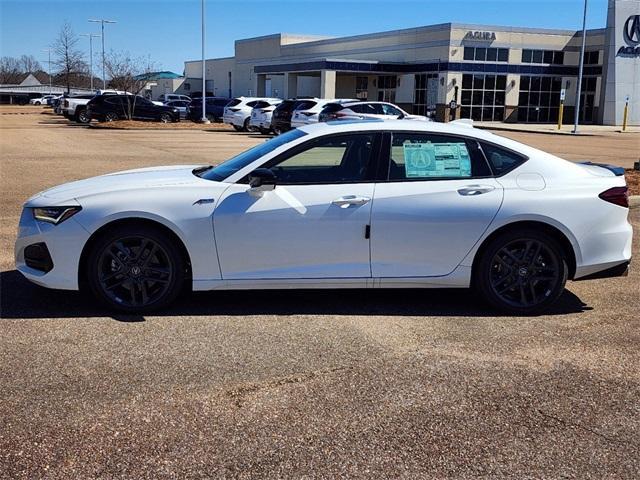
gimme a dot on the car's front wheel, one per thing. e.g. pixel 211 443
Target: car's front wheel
pixel 521 272
pixel 135 269
pixel 165 118
pixel 82 117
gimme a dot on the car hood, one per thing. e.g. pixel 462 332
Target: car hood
pixel 142 178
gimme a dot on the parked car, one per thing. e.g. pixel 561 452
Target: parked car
pixel 41 100
pixel 107 108
pixel 75 108
pixel 308 111
pixel 341 205
pixel 237 113
pixel 366 110
pixel 214 111
pixel 281 116
pixel 261 115
pixel 169 97
pixel 181 105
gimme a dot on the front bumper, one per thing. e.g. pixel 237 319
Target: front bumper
pixel 64 243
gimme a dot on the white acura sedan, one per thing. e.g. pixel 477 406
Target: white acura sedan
pixel 371 204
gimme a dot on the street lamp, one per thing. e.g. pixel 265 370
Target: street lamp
pixel 91 37
pixel 581 69
pixel 204 81
pixel 102 21
pixel 48 50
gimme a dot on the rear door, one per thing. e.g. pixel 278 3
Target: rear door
pixel 435 201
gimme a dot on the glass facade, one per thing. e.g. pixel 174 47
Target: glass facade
pixel 552 57
pixel 483 97
pixel 426 94
pixel 539 99
pixel 362 88
pixel 486 54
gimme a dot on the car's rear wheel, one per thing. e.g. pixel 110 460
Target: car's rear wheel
pixel 245 125
pixel 522 272
pixel 37 103
pixel 111 117
pixel 135 269
pixel 237 128
pixel 165 118
pixel 82 117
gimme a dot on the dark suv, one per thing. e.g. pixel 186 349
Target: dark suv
pixel 281 117
pixel 215 108
pixel 106 108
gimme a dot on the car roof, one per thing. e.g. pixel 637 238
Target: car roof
pixel 452 128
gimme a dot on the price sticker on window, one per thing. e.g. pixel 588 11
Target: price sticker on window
pixel 429 160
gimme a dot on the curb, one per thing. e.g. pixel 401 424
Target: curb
pixel 97 127
pixel 634 201
pixel 538 132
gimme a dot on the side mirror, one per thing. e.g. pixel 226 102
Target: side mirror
pixel 262 180
pixel 401 116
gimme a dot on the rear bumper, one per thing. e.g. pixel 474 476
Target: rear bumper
pixel 621 270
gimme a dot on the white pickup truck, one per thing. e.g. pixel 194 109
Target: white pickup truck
pixel 75 108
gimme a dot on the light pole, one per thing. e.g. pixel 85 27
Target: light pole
pixel 102 21
pixel 48 50
pixel 204 81
pixel 581 69
pixel 91 37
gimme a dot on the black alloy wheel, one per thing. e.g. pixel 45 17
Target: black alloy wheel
pixel 165 118
pixel 82 116
pixel 111 117
pixel 135 270
pixel 522 272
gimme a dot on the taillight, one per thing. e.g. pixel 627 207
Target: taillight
pixel 307 114
pixel 616 195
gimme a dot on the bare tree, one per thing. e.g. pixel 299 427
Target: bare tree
pixel 69 59
pixel 29 64
pixel 129 74
pixel 10 72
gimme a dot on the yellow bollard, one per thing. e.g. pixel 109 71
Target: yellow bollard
pixel 625 116
pixel 560 114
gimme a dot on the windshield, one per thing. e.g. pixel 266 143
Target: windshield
pixel 231 166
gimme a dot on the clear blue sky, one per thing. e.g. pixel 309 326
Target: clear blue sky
pixel 169 30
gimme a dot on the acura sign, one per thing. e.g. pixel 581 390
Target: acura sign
pixel 631 34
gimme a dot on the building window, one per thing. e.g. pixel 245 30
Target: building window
pixel 362 88
pixel 483 54
pixel 555 57
pixel 387 88
pixel 539 99
pixel 592 58
pixel 483 97
pixel 187 86
pixel 426 94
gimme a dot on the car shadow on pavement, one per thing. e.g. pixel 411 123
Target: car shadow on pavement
pixel 20 299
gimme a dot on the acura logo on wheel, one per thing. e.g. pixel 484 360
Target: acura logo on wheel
pixel 632 30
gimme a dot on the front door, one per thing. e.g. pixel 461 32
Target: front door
pixel 313 225
pixel 438 200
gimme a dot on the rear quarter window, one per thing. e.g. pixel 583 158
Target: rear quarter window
pixel 500 159
pixel 306 105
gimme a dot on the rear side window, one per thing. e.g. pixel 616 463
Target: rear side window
pixel 252 104
pixel 234 102
pixel 424 156
pixel 261 104
pixel 501 159
pixel 332 107
pixel 305 105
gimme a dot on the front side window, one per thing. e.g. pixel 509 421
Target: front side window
pixel 335 159
pixel 391 110
pixel 237 163
pixel 424 156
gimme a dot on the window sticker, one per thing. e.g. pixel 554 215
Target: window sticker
pixel 425 160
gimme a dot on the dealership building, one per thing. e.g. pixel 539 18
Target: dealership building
pixel 482 72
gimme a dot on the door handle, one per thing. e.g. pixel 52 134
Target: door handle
pixel 348 200
pixel 472 190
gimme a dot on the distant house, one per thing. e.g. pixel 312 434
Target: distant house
pixel 161 82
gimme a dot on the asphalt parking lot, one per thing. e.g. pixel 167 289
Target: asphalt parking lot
pixel 285 384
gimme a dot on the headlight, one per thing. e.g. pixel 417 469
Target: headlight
pixel 54 215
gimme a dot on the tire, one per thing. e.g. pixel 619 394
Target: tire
pixel 165 118
pixel 82 117
pixel 521 272
pixel 236 128
pixel 265 131
pixel 135 269
pixel 37 103
pixel 110 117
pixel 245 125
